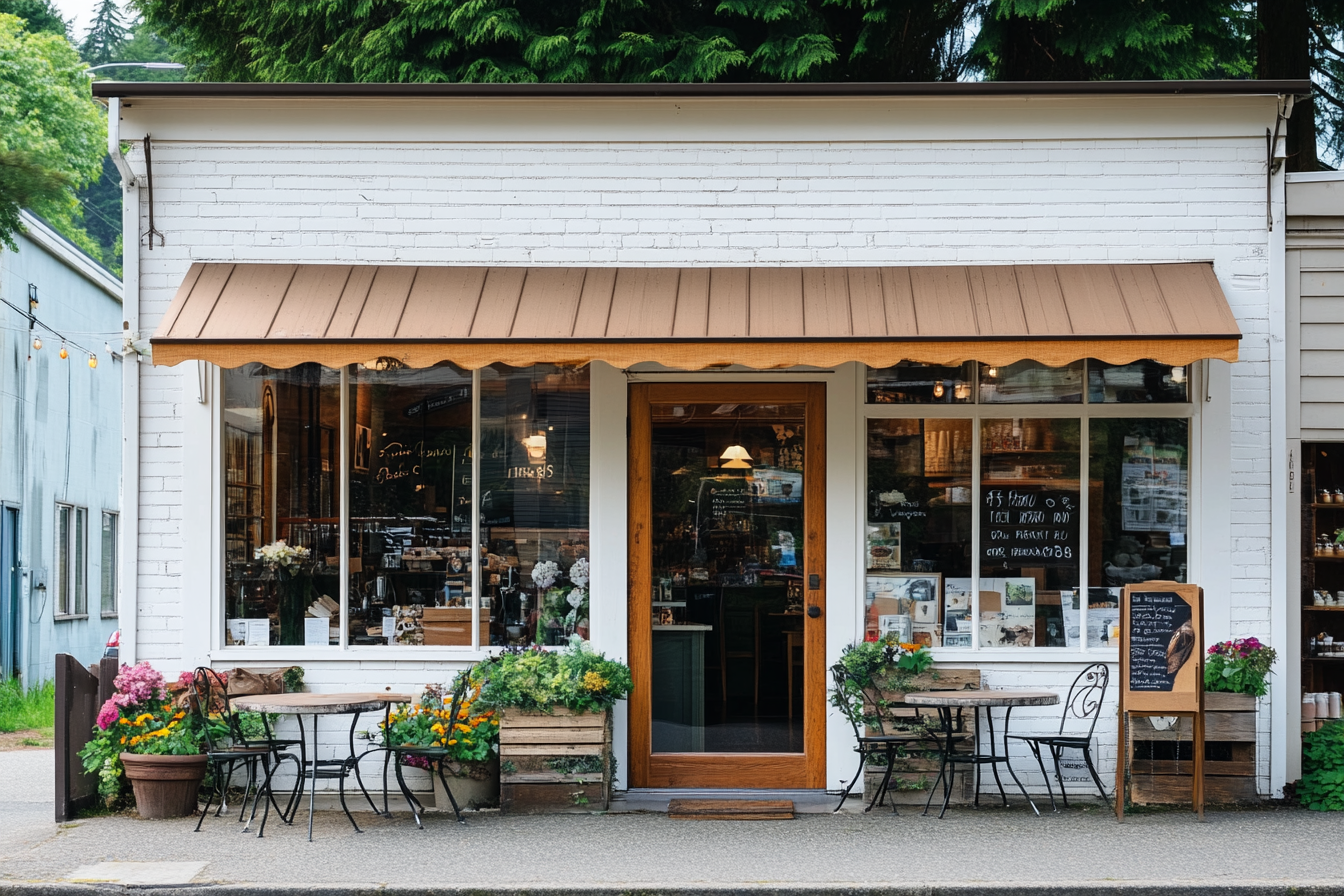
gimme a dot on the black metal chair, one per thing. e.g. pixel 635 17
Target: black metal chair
pixel 224 754
pixel 1082 708
pixel 885 744
pixel 433 756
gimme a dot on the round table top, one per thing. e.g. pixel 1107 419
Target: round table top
pixel 982 698
pixel 319 704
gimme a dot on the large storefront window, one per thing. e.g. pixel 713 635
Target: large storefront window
pixel 534 503
pixel 1035 529
pixel 281 459
pixel 393 451
pixel 410 507
pixel 918 549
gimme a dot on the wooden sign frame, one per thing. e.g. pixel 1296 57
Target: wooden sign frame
pixel 1185 699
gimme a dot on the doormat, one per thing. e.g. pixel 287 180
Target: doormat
pixel 731 810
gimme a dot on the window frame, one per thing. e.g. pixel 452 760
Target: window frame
pixel 109 574
pixel 71 580
pixel 1084 412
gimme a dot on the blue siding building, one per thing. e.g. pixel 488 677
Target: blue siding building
pixel 60 453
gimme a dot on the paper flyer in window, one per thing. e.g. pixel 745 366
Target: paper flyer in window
pixel 1153 487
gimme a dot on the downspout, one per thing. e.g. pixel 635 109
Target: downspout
pixel 1281 511
pixel 128 537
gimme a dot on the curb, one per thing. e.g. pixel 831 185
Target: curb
pixel 1277 888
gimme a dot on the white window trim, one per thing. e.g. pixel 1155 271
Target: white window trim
pixel 70 611
pixel 1082 411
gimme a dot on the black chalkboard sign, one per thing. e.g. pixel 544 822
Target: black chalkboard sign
pixel 1161 661
pixel 1028 526
pixel 1161 639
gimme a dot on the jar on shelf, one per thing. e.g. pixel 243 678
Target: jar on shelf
pixel 1323 496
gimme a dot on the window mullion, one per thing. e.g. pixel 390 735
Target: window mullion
pixel 1084 529
pixel 475 550
pixel 976 510
pixel 343 512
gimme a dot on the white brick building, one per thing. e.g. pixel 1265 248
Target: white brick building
pixel 1109 183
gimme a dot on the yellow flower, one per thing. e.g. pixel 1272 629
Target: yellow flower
pixel 451 741
pixel 593 681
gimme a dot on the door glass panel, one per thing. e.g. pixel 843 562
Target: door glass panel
pixel 727 573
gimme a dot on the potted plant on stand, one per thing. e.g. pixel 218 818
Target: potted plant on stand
pixel 554 726
pixel 293 584
pixel 156 746
pixel 471 741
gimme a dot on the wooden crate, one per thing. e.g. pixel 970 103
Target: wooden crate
pixel 554 762
pixel 1160 775
pixel 916 773
pixel 451 627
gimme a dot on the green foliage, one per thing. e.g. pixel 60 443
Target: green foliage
pixel 577 678
pixel 1239 667
pixel 875 667
pixel 23 709
pixel 502 41
pixel 471 736
pixel 1322 785
pixel 293 679
pixel 1091 40
pixel 38 15
pixel 52 134
pixel 106 34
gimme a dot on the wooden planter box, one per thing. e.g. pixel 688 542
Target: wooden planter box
pixel 1161 766
pixel 916 773
pixel 554 762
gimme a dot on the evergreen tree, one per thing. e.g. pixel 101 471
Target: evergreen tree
pixel 106 33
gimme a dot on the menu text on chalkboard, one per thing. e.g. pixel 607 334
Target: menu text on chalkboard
pixel 1028 526
pixel 1161 639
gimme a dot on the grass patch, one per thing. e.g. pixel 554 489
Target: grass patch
pixel 21 710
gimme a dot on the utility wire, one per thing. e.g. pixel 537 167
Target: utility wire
pixel 33 318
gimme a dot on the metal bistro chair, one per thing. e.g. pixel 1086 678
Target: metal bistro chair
pixel 1084 707
pixel 225 755
pixel 882 743
pixel 432 755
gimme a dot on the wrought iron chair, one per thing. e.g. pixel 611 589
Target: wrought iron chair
pixel 884 743
pixel 1082 708
pixel 226 753
pixel 432 756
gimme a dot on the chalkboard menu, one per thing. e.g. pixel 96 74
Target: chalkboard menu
pixel 1160 654
pixel 1028 526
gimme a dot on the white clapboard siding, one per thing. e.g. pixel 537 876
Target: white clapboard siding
pixel 1321 341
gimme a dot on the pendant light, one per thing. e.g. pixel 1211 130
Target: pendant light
pixel 735 457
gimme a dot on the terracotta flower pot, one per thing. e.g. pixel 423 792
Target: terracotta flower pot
pixel 165 786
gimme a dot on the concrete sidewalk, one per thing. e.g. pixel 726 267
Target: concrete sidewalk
pixel 990 851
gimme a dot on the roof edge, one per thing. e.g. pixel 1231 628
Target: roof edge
pixel 876 89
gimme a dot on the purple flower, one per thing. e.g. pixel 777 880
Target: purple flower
pixel 137 684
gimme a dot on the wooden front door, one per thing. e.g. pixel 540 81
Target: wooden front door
pixel 727 585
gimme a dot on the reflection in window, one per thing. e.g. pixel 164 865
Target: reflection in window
pixel 1028 382
pixel 1029 524
pixel 410 507
pixel 1140 500
pixel 1139 382
pixel 108 565
pixel 534 502
pixel 910 382
pixel 281 463
pixel 918 545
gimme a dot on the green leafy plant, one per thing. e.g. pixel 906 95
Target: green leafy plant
pixel 1239 667
pixel 138 718
pixel 885 665
pixel 1322 785
pixel 293 678
pixel 577 678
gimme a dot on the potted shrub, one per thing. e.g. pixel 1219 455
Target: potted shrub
pixel 471 739
pixel 554 726
pixel 1235 674
pixel 879 673
pixel 156 745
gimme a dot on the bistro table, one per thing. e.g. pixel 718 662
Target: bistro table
pixel 947 701
pixel 315 705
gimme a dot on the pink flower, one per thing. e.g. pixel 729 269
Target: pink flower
pixel 108 714
pixel 137 684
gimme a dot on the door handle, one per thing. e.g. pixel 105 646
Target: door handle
pixel 813 611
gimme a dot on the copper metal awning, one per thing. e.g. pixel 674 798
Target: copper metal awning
pixel 692 318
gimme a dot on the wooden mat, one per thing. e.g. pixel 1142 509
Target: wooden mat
pixel 731 810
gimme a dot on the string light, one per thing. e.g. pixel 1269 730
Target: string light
pixel 93 361
pixel 33 321
pixel 64 354
pixel 37 343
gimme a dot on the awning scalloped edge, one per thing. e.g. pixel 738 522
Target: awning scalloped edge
pixel 757 353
